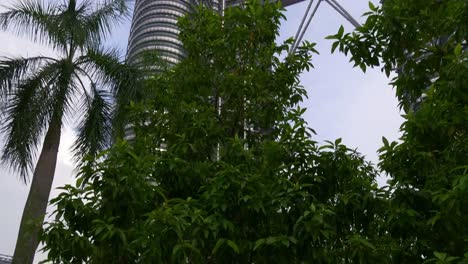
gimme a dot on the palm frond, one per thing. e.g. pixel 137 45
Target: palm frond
pixel 120 118
pixel 95 130
pixel 34 19
pixel 123 80
pixel 72 30
pixel 64 89
pixel 27 114
pixel 100 22
pixel 105 68
pixel 12 70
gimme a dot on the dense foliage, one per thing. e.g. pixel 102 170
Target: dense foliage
pixel 426 41
pixel 239 183
pixel 223 169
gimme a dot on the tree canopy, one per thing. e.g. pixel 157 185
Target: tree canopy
pixel 426 42
pixel 224 169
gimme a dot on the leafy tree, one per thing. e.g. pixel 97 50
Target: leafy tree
pixel 38 94
pixel 223 168
pixel 426 41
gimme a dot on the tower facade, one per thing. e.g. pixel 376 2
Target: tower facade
pixel 4 259
pixel 154 26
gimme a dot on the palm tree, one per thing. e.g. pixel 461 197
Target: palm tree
pixel 38 94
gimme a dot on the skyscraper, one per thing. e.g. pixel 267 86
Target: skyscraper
pixel 154 26
pixel 4 259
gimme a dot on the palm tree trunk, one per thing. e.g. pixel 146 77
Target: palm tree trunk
pixel 38 198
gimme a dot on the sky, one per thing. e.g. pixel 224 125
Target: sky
pixel 343 102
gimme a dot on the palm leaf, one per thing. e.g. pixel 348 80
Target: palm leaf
pixel 39 91
pixel 12 70
pixel 27 114
pixel 123 80
pixel 94 131
pixel 64 90
pixel 105 67
pixel 33 19
pixel 100 22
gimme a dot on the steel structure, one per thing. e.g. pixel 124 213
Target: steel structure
pixel 303 28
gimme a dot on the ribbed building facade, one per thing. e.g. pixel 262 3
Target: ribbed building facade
pixel 4 259
pixel 154 26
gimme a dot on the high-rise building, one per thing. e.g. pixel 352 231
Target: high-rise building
pixel 4 259
pixel 154 26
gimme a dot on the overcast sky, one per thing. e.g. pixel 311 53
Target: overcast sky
pixel 343 102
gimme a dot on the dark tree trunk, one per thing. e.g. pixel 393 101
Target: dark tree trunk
pixel 38 198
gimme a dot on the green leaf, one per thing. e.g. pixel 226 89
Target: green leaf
pixel 332 37
pixel 440 255
pixel 363 67
pixel 338 142
pixel 458 50
pixel 334 46
pixel 340 32
pixel 219 243
pixel 259 243
pixel 367 244
pixel 233 245
pixel 176 249
pixel 293 240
